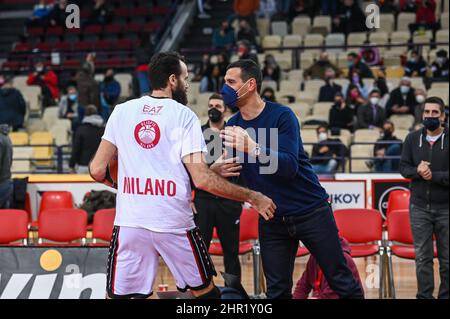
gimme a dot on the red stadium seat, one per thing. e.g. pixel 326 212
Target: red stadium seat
pixel 398 200
pixel 94 28
pixel 22 47
pixel 13 226
pixel 63 225
pixel 56 199
pixel 56 31
pixel 113 28
pixel 363 229
pixel 36 32
pixel 140 12
pixel 152 26
pixel 401 242
pixel 63 46
pixel 103 224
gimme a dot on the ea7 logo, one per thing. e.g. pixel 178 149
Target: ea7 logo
pixel 48 286
pixel 153 110
pixel 373 16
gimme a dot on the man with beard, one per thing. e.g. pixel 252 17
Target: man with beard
pixel 214 211
pixel 160 146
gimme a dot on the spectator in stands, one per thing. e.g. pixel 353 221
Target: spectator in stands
pixel 101 13
pixel 328 91
pixel 215 79
pixel 381 85
pixel 341 115
pixel 355 62
pixel 223 37
pixel 303 7
pixel 246 9
pixel 141 82
pixel 314 281
pixel 267 8
pixel 440 67
pixel 12 104
pixel 357 80
pixel 58 15
pixel 371 115
pixel 354 98
pixel 6 154
pixel 416 65
pixel 324 154
pixel 425 16
pixel 89 63
pixel 388 145
pixel 271 70
pixel 402 100
pixel 41 11
pixel 86 140
pixel 371 55
pixel 246 32
pixel 329 7
pixel 408 6
pixel 109 94
pixel 88 89
pixel 69 108
pixel 245 52
pixel 47 80
pixel 425 162
pixel 317 70
pixel 268 94
pixel 349 18
pixel 421 96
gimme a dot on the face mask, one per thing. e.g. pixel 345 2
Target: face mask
pixel 387 133
pixel 39 69
pixel 73 97
pixel 322 137
pixel 404 89
pixel 214 115
pixel 180 95
pixel 431 123
pixel 413 60
pixel 440 61
pixel 420 99
pixel 230 95
pixel 355 94
pixel 374 100
pixel 355 79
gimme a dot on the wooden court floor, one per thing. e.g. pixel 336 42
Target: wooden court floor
pixel 404 275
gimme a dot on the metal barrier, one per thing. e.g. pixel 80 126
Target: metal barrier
pixel 60 155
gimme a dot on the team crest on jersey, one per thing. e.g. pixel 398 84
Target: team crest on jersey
pixel 152 110
pixel 147 134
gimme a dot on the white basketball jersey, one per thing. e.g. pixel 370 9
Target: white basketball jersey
pixel 152 136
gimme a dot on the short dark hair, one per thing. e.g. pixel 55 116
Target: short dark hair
pixel 321 126
pixel 91 110
pixel 390 123
pixel 436 100
pixel 216 96
pixel 353 54
pixel 375 91
pixel 162 66
pixel 249 70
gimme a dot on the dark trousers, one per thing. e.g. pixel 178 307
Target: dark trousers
pixel 6 189
pixel 224 215
pixel 279 239
pixel 425 223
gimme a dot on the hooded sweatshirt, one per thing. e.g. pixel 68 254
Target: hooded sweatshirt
pixel 12 107
pixel 6 153
pixel 86 141
pixel 431 194
pixel 314 280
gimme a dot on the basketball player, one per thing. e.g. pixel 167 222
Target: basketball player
pixel 160 146
pixel 283 171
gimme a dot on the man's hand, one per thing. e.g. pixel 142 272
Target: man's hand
pixel 227 167
pixel 263 204
pixel 424 170
pixel 380 153
pixel 324 149
pixel 236 137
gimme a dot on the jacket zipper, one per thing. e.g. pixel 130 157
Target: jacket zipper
pixel 430 158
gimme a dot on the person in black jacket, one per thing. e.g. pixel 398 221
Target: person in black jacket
pixel 416 65
pixel 341 115
pixel 12 104
pixel 6 151
pixel 425 161
pixel 86 140
pixel 326 153
pixel 328 91
pixel 371 115
pixel 349 18
pixel 355 62
pixel 388 145
pixel 402 100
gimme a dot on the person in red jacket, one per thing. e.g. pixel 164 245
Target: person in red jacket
pixel 425 16
pixel 48 81
pixel 314 280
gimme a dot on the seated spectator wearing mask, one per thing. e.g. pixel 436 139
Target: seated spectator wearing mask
pixel 325 152
pixel 47 80
pixel 421 96
pixel 271 70
pixel 357 81
pixel 354 61
pixel 389 145
pixel 40 14
pixel 317 70
pixel 402 100
pixel 425 16
pixel 328 91
pixel 246 32
pixel 382 85
pixel 109 94
pixel 416 65
pixel 314 281
pixel 354 98
pixel 341 115
pixel 69 107
pixel 371 115
pixel 223 37
pixel 245 51
pixel 268 94
pixel 440 67
pixel 349 18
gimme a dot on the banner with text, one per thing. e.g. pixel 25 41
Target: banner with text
pixel 346 194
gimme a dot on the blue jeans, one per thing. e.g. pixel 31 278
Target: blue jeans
pixel 328 168
pixel 279 239
pixel 6 189
pixel 389 165
pixel 425 223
